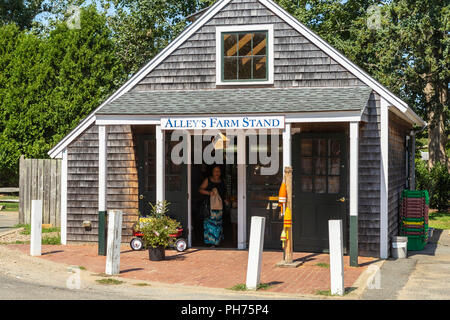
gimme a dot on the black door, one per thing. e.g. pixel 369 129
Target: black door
pixel 176 186
pixel 319 188
pixel 175 175
pixel 262 195
pixel 146 172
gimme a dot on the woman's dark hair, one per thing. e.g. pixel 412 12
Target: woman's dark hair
pixel 211 169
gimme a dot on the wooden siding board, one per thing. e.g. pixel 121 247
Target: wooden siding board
pixel 369 180
pixel 398 129
pixel 82 181
pixel 298 62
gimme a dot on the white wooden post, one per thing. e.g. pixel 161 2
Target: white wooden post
pixel 160 164
pixel 64 197
pixel 255 251
pixel 102 168
pixel 36 228
pixel 114 240
pixel 336 257
pixel 354 194
pixel 189 187
pixel 384 187
pixel 287 147
pixel 242 189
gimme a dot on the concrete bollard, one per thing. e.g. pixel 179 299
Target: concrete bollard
pixel 114 240
pixel 336 257
pixel 255 251
pixel 36 228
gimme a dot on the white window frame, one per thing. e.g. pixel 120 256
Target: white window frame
pixel 245 28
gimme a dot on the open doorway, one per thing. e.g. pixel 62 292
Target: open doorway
pixel 200 172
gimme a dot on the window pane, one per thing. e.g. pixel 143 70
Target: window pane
pixel 321 147
pixel 335 148
pixel 306 183
pixel 245 44
pixel 259 44
pixel 334 166
pixel 229 45
pixel 259 67
pixel 333 184
pixel 245 68
pixel 321 166
pixel 320 184
pixel 230 68
pixel 306 166
pixel 306 147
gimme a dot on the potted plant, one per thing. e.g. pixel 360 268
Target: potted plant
pixel 156 230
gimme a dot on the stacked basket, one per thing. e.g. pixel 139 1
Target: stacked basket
pixel 414 218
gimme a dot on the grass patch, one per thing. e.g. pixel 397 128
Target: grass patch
pixel 323 292
pixel 439 220
pixel 53 240
pixel 109 281
pixel 328 292
pixel 81 268
pixel 9 206
pixel 238 287
pixel 141 284
pixel 323 265
pixel 27 229
pixel 243 287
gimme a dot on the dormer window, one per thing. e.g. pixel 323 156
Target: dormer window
pixel 244 55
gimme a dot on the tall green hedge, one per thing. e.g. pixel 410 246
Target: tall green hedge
pixel 436 181
pixel 49 83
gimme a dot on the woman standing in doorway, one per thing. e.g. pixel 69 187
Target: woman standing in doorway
pixel 213 229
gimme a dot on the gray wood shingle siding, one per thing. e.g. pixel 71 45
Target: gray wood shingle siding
pixel 369 180
pixel 298 62
pixel 82 181
pixel 398 129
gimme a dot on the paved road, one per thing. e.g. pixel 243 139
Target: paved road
pixel 8 219
pixel 423 275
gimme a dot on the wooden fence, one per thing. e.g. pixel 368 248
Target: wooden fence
pixel 40 179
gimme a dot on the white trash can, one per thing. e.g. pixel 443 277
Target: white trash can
pixel 399 247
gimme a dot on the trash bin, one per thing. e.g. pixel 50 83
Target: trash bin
pixel 399 247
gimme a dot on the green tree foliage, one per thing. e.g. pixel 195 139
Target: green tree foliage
pixel 142 28
pixel 48 84
pixel 21 12
pixel 437 181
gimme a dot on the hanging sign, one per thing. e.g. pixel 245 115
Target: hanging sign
pixel 223 122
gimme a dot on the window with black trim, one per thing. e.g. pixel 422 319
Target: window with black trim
pixel 244 56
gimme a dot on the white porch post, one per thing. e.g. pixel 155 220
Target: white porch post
pixel 242 189
pixel 102 188
pixel 64 197
pixel 287 147
pixel 412 173
pixel 384 187
pixel 354 195
pixel 160 164
pixel 189 187
pixel 102 167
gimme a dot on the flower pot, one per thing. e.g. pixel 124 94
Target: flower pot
pixel 157 254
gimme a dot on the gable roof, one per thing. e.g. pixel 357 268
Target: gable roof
pixel 204 18
pixel 233 101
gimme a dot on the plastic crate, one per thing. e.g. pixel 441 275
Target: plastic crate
pixel 416 243
pixel 416 194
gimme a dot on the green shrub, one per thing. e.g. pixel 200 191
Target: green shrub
pixel 436 181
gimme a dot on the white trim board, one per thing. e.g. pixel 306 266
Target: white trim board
pixel 188 32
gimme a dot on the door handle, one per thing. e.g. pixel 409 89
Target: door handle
pixel 141 196
pixel 341 199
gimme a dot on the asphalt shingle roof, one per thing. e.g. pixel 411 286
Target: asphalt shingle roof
pixel 236 101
